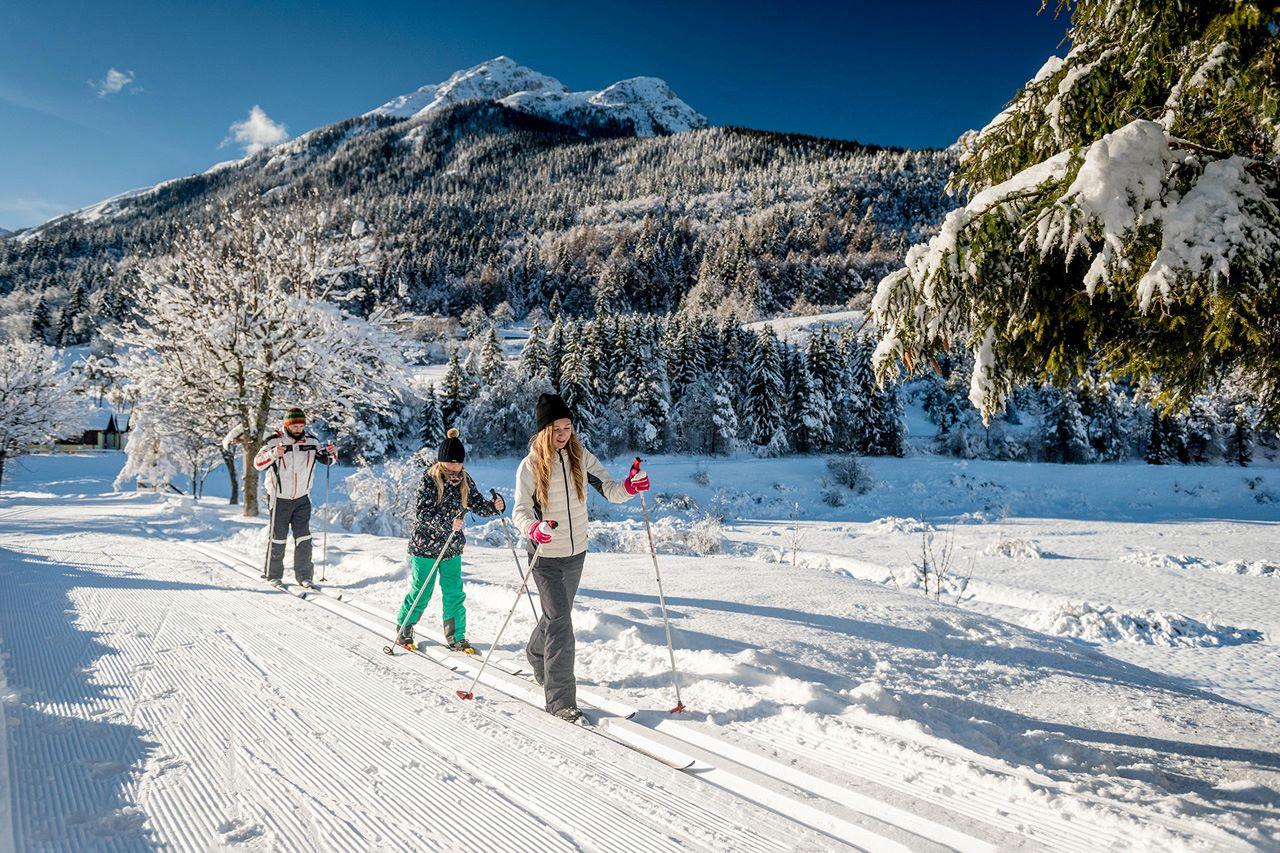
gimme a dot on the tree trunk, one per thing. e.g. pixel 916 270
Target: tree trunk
pixel 229 459
pixel 2 458
pixel 251 447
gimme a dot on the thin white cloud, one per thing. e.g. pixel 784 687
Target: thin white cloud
pixel 115 81
pixel 256 132
pixel 24 211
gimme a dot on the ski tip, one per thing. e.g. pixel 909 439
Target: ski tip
pixel 679 709
pixel 465 694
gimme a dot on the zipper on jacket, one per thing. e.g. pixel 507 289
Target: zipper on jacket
pixel 568 507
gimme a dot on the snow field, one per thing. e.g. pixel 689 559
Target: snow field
pixel 226 714
pixel 959 722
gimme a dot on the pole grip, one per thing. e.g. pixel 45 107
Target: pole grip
pixel 635 466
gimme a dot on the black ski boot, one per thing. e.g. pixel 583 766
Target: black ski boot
pixel 307 584
pixel 569 715
pixel 278 583
pixel 463 646
pixel 405 638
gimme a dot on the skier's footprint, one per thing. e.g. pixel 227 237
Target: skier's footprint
pixel 236 832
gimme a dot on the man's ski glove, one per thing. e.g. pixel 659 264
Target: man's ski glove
pixel 540 531
pixel 637 480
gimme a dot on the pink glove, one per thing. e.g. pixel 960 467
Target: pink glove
pixel 540 531
pixel 637 480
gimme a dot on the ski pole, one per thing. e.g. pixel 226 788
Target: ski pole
pixel 662 599
pixel 324 531
pixel 425 583
pixel 511 540
pixel 271 525
pixel 533 561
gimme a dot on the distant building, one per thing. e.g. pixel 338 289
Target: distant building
pixel 107 430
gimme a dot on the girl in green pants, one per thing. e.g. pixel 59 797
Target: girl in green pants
pixel 445 494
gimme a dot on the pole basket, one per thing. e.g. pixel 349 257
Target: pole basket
pixel 465 694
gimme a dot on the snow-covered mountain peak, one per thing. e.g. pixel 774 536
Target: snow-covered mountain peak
pixel 488 81
pixel 646 105
pixel 651 105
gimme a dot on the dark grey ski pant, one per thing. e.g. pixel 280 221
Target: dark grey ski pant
pixel 550 649
pixel 292 513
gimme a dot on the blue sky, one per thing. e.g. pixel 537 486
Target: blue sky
pixel 899 73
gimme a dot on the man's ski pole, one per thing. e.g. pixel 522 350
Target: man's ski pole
pixel 533 561
pixel 324 530
pixel 662 599
pixel 425 583
pixel 510 533
pixel 271 523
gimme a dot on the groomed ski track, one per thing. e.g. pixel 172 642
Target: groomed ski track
pixel 168 701
pixel 160 695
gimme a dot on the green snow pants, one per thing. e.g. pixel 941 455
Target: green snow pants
pixel 455 615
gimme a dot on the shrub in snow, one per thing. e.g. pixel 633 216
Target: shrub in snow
pixel 674 501
pixel 670 536
pixel 381 500
pixel 1104 624
pixel 894 524
pixel 934 571
pixel 1013 548
pixel 851 473
pixel 832 496
pixel 700 476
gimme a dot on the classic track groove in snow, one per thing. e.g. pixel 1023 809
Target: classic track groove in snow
pixel 857 828
pixel 845 815
pixel 158 708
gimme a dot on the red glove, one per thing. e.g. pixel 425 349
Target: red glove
pixel 540 531
pixel 637 480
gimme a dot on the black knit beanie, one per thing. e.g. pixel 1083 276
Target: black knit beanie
pixel 451 449
pixel 551 408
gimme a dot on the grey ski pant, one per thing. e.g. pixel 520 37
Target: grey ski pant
pixel 550 649
pixel 295 514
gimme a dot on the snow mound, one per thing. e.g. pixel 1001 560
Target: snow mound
pixel 671 535
pixel 894 524
pixel 1165 561
pixel 1101 624
pixel 1024 549
pixel 1256 568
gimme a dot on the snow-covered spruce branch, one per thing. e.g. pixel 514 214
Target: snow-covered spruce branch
pixel 1093 239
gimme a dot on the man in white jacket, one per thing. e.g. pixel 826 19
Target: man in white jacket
pixel 289 457
pixel 551 485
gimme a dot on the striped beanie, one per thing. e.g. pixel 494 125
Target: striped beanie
pixel 294 415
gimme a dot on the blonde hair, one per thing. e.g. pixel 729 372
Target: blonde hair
pixel 542 450
pixel 437 473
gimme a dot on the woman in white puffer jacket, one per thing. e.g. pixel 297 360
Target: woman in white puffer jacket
pixel 551 485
